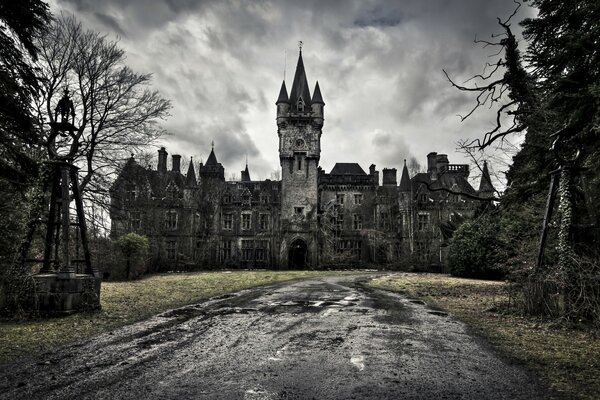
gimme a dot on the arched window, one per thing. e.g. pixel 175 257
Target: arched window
pixel 300 104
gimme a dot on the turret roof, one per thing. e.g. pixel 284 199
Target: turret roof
pixel 190 178
pixel 300 86
pixel 317 98
pixel 283 95
pixel 485 186
pixel 405 179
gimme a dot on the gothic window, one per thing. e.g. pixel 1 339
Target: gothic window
pixel 299 159
pixel 358 198
pixel 171 220
pixel 300 104
pixel 247 250
pixel 384 220
pixel 356 222
pixel 423 220
pixel 339 222
pixel 260 250
pixel 227 198
pixel 264 198
pixel 131 193
pixel 246 221
pixel 264 222
pixel 171 246
pixel 423 197
pixel 227 221
pixel 227 246
pixel 135 220
pixel 339 198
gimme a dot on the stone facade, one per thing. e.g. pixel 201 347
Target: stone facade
pixel 308 219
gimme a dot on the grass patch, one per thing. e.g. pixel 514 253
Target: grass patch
pixel 127 302
pixel 567 359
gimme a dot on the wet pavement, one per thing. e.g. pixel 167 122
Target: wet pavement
pixel 325 338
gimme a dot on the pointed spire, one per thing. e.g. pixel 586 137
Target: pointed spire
pixel 485 186
pixel 246 173
pixel 317 98
pixel 283 95
pixel 405 179
pixel 212 159
pixel 300 87
pixel 190 178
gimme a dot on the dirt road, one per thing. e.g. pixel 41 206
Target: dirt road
pixel 326 338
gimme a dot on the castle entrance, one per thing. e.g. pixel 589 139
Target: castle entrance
pixel 298 254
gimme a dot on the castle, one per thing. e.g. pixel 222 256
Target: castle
pixel 308 219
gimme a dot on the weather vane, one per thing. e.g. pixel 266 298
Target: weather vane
pixel 300 44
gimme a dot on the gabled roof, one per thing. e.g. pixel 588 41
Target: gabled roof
pixel 283 95
pixel 347 169
pixel 300 86
pixel 405 179
pixel 485 186
pixel 317 98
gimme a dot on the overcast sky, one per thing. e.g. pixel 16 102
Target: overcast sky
pixel 379 65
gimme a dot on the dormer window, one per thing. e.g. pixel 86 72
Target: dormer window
pixel 172 192
pixel 300 105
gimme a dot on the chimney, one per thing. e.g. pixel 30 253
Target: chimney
pixel 176 163
pixel 442 162
pixel 432 165
pixel 162 160
pixel 389 177
pixel 374 174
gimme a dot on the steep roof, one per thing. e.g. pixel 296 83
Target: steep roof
pixel 246 174
pixel 347 169
pixel 317 98
pixel 190 178
pixel 405 179
pixel 485 186
pixel 283 95
pixel 300 86
pixel 212 159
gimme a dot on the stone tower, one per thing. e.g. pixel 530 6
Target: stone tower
pixel 299 124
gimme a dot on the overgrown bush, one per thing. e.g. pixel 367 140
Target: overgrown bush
pixel 473 249
pixel 134 248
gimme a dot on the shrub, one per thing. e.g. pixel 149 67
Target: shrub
pixel 135 248
pixel 473 249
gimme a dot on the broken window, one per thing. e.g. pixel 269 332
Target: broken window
pixel 171 220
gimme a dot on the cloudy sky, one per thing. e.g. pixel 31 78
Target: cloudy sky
pixel 379 65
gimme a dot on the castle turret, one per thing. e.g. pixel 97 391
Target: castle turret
pixel 212 168
pixel 283 105
pixel 299 125
pixel 317 106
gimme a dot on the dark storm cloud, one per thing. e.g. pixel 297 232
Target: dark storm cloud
pixel 379 64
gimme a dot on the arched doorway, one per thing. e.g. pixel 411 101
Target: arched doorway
pixel 297 254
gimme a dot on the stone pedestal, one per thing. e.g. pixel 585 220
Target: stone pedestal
pixel 58 296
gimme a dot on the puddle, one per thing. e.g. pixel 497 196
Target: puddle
pixel 438 313
pixel 358 362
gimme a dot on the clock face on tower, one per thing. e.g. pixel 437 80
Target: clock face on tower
pixel 299 143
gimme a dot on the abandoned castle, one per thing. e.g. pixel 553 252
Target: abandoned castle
pixel 308 219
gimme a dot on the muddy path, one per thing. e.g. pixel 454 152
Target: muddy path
pixel 325 338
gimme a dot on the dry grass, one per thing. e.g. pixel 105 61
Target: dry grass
pixel 568 359
pixel 127 302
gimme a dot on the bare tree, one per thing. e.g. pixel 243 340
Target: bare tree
pixel 117 113
pixel 504 85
